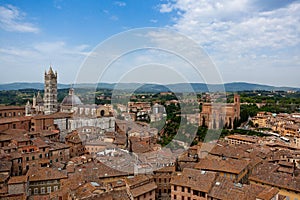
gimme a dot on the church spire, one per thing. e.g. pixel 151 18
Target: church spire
pixel 50 70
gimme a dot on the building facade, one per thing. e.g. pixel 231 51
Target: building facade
pixel 219 115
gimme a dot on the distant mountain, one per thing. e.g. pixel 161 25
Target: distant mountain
pixel 19 85
pixel 179 87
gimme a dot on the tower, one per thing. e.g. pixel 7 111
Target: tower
pixel 50 92
pixel 237 105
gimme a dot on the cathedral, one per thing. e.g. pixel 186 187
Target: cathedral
pixel 83 115
pixel 48 104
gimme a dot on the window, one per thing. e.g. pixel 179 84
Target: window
pixel 36 191
pixel 41 155
pixel 29 191
pixel 55 188
pixel 48 189
pixel 182 189
pixel 189 190
pixel 202 194
pixel 32 157
pixel 175 187
pixel 175 197
pixel 43 190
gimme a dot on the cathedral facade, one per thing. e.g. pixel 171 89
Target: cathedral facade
pixel 218 115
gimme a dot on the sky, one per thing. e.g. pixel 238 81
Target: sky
pixel 247 40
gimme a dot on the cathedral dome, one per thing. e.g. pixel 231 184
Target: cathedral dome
pixel 71 99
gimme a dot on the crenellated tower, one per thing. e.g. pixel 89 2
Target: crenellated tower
pixel 50 92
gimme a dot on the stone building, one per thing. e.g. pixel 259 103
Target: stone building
pixel 50 92
pixel 98 116
pixel 219 115
pixel 48 104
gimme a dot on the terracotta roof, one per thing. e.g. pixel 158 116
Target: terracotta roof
pixel 140 184
pixel 39 142
pixel 267 173
pixel 195 179
pixel 18 179
pixel 14 119
pixel 73 138
pixel 57 146
pixel 58 115
pixel 166 169
pixel 14 131
pixel 5 166
pixel 84 191
pixel 227 190
pixel 268 193
pixel 231 151
pixel 143 189
pixel 229 165
pixel 251 139
pixel 137 179
pixel 45 173
pixel 11 107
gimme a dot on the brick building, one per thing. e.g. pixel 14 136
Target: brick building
pixel 141 187
pixel 12 111
pixel 218 115
pixel 44 182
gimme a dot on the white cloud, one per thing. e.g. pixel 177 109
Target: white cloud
pixel 166 8
pixel 66 60
pixel 12 19
pixel 239 33
pixel 120 3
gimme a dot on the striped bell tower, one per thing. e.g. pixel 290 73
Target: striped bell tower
pixel 50 92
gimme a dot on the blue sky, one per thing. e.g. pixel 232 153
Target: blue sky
pixel 248 40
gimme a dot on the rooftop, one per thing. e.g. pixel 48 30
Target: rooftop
pixel 196 179
pixel 229 165
pixel 45 173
